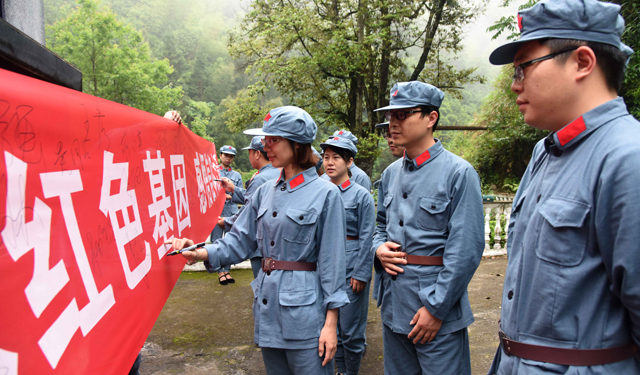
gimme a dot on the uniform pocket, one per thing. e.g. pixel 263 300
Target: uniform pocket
pixel 563 235
pixel 387 200
pixel 260 229
pixel 300 317
pixel 302 227
pixel 352 214
pixel 433 214
pixel 353 250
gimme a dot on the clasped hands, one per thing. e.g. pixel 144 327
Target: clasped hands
pixel 426 326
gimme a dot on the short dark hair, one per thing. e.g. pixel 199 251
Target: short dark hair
pixel 344 154
pixel 609 58
pixel 264 154
pixel 426 110
pixel 302 155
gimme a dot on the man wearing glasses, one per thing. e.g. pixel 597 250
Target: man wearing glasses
pixel 429 245
pixel 571 299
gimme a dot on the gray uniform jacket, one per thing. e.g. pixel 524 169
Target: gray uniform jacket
pixel 434 208
pixel 573 277
pixel 230 207
pixel 240 195
pixel 300 220
pixel 388 175
pixel 357 175
pixel 359 207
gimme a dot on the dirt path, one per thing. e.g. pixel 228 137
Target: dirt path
pixel 207 328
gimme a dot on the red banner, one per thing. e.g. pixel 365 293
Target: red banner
pixel 89 191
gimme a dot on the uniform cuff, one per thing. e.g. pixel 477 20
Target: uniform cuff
pixel 335 301
pixel 424 298
pixel 213 262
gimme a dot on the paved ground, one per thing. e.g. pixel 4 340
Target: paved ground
pixel 207 328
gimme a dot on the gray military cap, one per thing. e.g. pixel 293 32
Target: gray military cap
pixel 588 20
pixel 256 144
pixel 339 142
pixel 412 94
pixel 228 150
pixel 288 122
pixel 346 134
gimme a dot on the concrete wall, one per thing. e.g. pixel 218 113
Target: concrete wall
pixel 27 16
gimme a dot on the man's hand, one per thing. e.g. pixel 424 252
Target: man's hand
pixel 228 197
pixel 173 116
pixel 426 326
pixel 328 343
pixel 228 185
pixel 357 286
pixel 192 256
pixel 221 222
pixel 389 256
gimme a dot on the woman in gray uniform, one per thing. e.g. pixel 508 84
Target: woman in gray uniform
pixel 298 223
pixel 352 320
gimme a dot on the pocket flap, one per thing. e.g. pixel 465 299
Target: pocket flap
pixel 261 212
pixel 387 200
pixel 297 298
pixel 433 205
pixel 563 212
pixel 302 217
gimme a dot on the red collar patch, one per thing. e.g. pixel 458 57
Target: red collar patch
pixel 569 132
pixel 395 93
pixel 267 117
pixel 422 158
pixel 346 184
pixel 296 181
pixel 520 22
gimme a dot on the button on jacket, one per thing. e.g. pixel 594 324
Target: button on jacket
pixel 433 208
pixel 357 175
pixel 388 175
pixel 359 207
pixel 230 208
pixel 573 277
pixel 240 195
pixel 302 220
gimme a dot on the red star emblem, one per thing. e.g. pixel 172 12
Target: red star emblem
pixel 341 132
pixel 395 93
pixel 520 22
pixel 336 138
pixel 267 117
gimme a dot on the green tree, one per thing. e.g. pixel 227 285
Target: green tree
pixel 501 154
pixel 337 59
pixel 115 61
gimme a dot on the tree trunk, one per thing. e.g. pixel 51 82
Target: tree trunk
pixel 431 29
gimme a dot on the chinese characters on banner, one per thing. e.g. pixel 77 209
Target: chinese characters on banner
pixel 90 190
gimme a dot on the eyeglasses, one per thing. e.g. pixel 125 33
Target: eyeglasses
pixel 518 75
pixel 271 141
pixel 400 115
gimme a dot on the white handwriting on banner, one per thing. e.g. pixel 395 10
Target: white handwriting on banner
pixel 119 206
pixel 206 172
pixel 161 202
pixel 19 237
pixel 179 178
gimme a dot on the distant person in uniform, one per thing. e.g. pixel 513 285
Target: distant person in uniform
pixel 352 321
pixel 571 299
pixel 297 222
pixel 265 172
pixel 227 154
pixel 388 175
pixel 430 244
pixel 358 175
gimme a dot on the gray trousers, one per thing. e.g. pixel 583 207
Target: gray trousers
pixel 295 362
pixel 352 325
pixel 446 354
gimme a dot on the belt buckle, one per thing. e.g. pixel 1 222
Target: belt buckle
pixel 505 342
pixel 267 265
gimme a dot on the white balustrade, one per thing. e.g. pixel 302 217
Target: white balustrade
pixel 500 211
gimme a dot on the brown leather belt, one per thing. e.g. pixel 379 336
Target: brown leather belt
pixel 269 264
pixel 352 238
pixel 562 356
pixel 424 260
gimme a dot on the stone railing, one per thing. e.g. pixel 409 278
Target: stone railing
pixel 496 220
